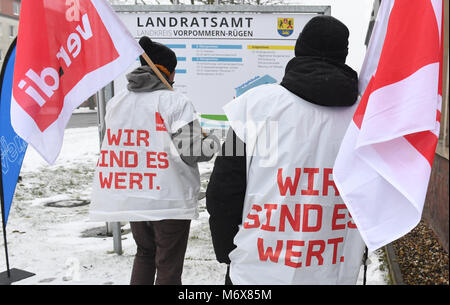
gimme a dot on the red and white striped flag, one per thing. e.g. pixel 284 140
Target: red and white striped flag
pixel 66 51
pixel 384 163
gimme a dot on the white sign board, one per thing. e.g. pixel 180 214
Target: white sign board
pixel 217 52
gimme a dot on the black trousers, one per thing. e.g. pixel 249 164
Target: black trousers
pixel 161 247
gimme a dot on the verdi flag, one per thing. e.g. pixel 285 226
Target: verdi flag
pixel 384 163
pixel 12 147
pixel 66 52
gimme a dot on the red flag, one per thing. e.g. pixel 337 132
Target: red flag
pixel 384 164
pixel 65 53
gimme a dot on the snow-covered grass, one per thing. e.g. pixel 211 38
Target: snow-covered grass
pixel 61 246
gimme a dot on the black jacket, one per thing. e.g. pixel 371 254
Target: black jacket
pixel 317 80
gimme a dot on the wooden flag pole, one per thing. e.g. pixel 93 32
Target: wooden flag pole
pixel 156 70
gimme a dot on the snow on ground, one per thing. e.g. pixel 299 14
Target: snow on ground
pixel 61 246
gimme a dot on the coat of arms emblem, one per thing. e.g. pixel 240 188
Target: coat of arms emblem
pixel 285 26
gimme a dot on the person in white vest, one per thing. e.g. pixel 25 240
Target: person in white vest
pixel 147 172
pixel 276 216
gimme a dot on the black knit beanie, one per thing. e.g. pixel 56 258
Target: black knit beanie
pixel 323 36
pixel 158 53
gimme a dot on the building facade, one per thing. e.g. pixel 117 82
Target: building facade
pixel 9 24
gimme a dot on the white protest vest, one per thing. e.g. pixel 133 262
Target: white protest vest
pixel 139 174
pixel 296 228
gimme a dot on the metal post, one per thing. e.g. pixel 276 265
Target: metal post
pixel 113 227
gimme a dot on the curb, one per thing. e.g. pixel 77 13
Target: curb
pixel 394 268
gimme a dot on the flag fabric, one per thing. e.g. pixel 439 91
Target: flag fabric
pixel 384 163
pixel 12 147
pixel 66 51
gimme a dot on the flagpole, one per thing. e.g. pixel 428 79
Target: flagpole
pixel 2 199
pixel 366 254
pixel 3 217
pixel 162 78
pixel 156 70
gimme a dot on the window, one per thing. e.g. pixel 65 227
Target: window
pixel 16 8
